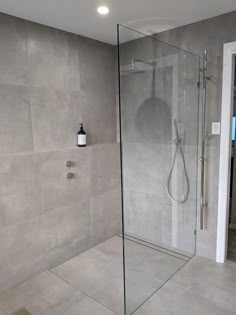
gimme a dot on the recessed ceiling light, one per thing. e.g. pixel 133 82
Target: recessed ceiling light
pixel 103 10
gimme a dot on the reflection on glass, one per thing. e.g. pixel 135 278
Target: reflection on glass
pixel 159 137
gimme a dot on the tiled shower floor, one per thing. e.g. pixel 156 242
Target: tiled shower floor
pixel 92 284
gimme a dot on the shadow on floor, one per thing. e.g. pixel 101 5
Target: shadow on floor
pixel 22 311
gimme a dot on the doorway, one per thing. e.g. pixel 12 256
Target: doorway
pixel 226 172
pixel 231 252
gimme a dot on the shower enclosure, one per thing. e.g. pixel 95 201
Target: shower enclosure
pixel 159 110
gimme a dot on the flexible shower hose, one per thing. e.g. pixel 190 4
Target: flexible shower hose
pixel 178 148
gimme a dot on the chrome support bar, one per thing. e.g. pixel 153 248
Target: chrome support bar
pixel 202 159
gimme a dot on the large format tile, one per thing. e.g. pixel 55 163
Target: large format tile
pixel 142 210
pixel 111 249
pixel 172 299
pixel 56 115
pixel 89 271
pixel 44 294
pixel 59 191
pixel 53 57
pixel 68 232
pixel 143 168
pixel 216 282
pixel 102 117
pixel 88 307
pixel 105 168
pixel 96 66
pixel 106 216
pixel 20 189
pixel 23 252
pixel 13 54
pixel 156 266
pixel 15 119
pixel 112 294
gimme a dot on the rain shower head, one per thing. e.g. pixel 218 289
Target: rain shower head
pixel 132 69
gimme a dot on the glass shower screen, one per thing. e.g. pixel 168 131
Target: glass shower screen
pixel 159 109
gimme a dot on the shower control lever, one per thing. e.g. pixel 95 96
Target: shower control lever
pixel 70 175
pixel 69 163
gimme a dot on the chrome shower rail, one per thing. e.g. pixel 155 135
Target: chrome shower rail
pixel 204 136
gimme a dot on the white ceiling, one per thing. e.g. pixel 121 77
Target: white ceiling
pixel 149 16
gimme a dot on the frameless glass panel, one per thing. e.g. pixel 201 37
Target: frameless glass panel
pixel 159 98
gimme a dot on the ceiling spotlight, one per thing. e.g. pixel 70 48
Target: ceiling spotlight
pixel 103 10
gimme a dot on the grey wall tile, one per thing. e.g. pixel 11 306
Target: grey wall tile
pixel 96 66
pixel 15 119
pixel 53 57
pixel 56 115
pixel 227 25
pixel 13 55
pixel 20 189
pixel 106 216
pixel 68 232
pixel 23 252
pixel 101 127
pixel 210 34
pixel 143 167
pixel 105 168
pixel 57 190
pixel 142 210
pixel 41 106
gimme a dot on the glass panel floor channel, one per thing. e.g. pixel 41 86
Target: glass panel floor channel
pixel 92 282
pixel 147 268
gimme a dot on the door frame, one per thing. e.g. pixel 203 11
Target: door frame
pixel 225 151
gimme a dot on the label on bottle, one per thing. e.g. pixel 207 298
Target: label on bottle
pixel 81 139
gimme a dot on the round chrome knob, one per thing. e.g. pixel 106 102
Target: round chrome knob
pixel 70 175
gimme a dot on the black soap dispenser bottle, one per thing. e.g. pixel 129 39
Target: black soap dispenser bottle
pixel 81 137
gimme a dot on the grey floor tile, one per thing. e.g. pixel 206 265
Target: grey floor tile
pixel 135 253
pixel 44 294
pixel 88 307
pixel 146 271
pixel 90 271
pixel 112 295
pixel 160 265
pixel 174 300
pixel 111 249
pixel 216 282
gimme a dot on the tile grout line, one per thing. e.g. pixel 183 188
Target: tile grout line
pixel 78 289
pixel 133 313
